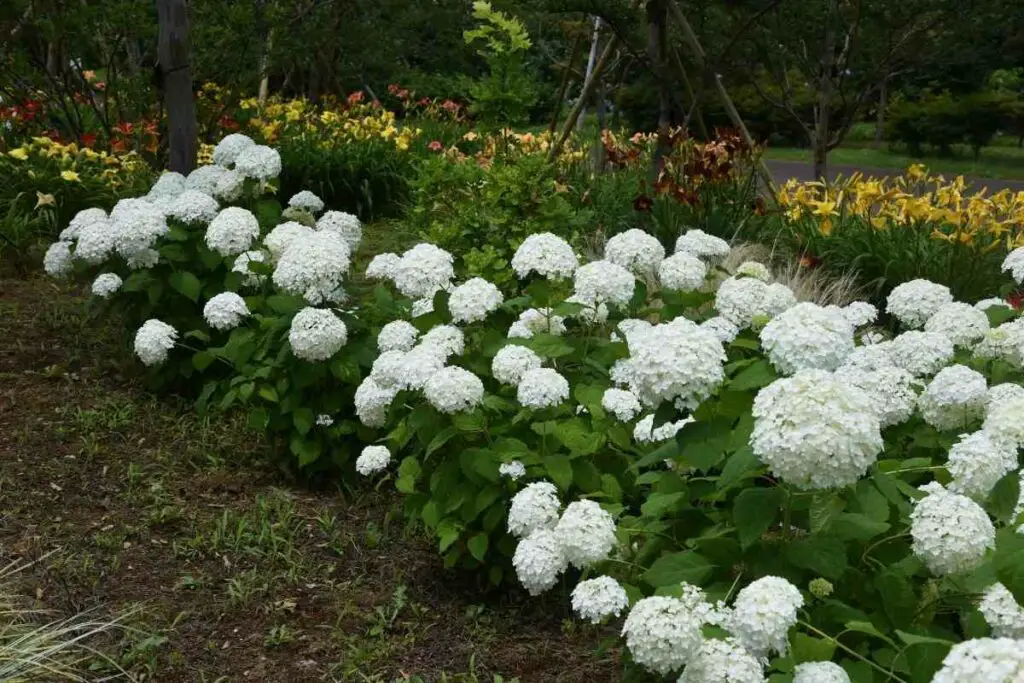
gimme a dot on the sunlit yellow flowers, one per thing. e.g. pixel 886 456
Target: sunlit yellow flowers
pixel 19 153
pixel 70 176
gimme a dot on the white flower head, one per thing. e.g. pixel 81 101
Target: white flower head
pixel 346 225
pixel 447 339
pixel 777 299
pixel 372 401
pixel 1003 416
pixel 397 335
pixel 962 323
pixel 806 337
pixel 820 672
pixel 860 313
pixel 1014 265
pixel 169 183
pixel 725 330
pixel 1005 343
pixel 740 299
pixel 225 311
pixel 192 206
pixel 663 633
pixel 324 420
pixel 723 661
pixel 241 265
pixel 537 321
pixel 914 302
pixel 137 225
pixel 533 508
pixel 1002 613
pixel 423 270
pixel 514 470
pixel 316 334
pixel 586 533
pixel 891 390
pixel 283 236
pixel 80 220
pixel 983 660
pixel 106 284
pixel 314 266
pixel 951 533
pixel 599 598
pixel 623 404
pixel 629 327
pixel 307 201
pixel 232 231
pixel 592 313
pixel 153 340
pixel 513 361
pixel 869 358
pixel 259 162
pixel 542 388
pixel 454 390
pixel 954 398
pixel 545 254
pixel 419 365
pixel 538 561
pixel 645 432
pixel 712 249
pixel 205 179
pixel 372 460
pixel 228 149
pixel 473 300
pixel 58 262
pixel 604 282
pixel 682 271
pixel 229 186
pixel 636 251
pixel 977 462
pixel 921 353
pixel 763 613
pixel 382 266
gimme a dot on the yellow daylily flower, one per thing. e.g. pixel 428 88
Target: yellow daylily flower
pixel 70 176
pixel 45 199
pixel 19 153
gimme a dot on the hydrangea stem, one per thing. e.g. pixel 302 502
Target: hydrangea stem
pixel 853 653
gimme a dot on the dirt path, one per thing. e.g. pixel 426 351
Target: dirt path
pixel 803 171
pixel 234 572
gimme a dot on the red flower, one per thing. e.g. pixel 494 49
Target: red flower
pixel 356 97
pixel 228 123
pixel 88 140
pixel 125 127
pixel 1016 300
pixel 643 203
pixel 435 146
pixel 425 102
pixel 393 89
pixel 449 105
pixel 810 261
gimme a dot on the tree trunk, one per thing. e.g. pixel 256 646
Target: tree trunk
pixel 594 40
pixel 656 50
pixel 265 69
pixel 823 103
pixel 173 52
pixel 883 102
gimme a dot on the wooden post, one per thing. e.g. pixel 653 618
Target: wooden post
pixel 173 53
pixel 588 88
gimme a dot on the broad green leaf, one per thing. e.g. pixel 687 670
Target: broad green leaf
pixel 268 393
pixel 871 502
pixel 202 359
pixel 758 375
pixel 672 569
pixel 408 473
pixel 810 649
pixel 478 546
pixel 825 507
pixel 186 283
pixel 550 346
pixel 1009 562
pixel 1002 501
pixel 868 628
pixel 303 418
pixel 741 465
pixel 754 511
pixel 658 504
pixel 853 525
pixel 559 468
pixel 440 439
pixel 430 514
pixel 306 450
pixel 824 555
pixel 898 598
pixel 917 639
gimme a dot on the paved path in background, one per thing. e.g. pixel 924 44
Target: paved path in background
pixel 804 171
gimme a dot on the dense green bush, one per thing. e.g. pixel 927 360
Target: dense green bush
pixel 941 120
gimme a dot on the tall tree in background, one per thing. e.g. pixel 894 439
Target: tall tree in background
pixel 173 53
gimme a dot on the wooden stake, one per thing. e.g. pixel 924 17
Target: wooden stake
pixel 588 89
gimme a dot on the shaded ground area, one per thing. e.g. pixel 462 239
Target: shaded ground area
pixel 235 572
pixel 804 171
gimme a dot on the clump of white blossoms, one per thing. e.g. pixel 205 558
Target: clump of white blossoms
pixel 870 357
pixel 541 388
pixel 754 269
pixel 682 271
pixel 57 261
pixel 1014 265
pixel 513 361
pixel 241 265
pixel 677 361
pixel 820 672
pixel 373 459
pixel 624 405
pixel 382 266
pixel 259 162
pixel 316 334
pixel 663 633
pixel 950 532
pixel 473 300
pixel 1003 416
pixel 860 313
pixel 137 225
pixel 592 313
pixel 723 661
pixel 453 390
pixel 712 249
pixel 314 266
pixel 423 270
pixel 283 236
pixel 192 206
pixel 599 598
pixel 387 368
pixel 629 327
pixel 230 146
pixel 962 323
pixel 535 507
pixel 912 303
pixel 636 251
pixel 345 225
pixel 954 398
pixel 586 533
pixel 372 401
pixel 1005 342
pixel 153 340
pixel 725 330
pixel 397 335
pixel 815 431
pixel 514 470
pixel 232 231
pixel 977 462
pixel 921 353
pixel 225 311
pixel 106 284
pixel 537 321
pixel 419 365
pixel 762 615
pixel 644 431
pixel 1002 613
pixel 891 390
pixel 447 339
pixel 80 220
pixel 983 660
pixel 604 282
pixel 808 336
pixel 545 254
pixel 204 179
pixel 307 201
pixel 538 560
pixel 740 299
pixel 95 241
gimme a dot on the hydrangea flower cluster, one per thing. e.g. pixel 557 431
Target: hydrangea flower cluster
pixel 954 398
pixel 316 334
pixel 961 323
pixel 473 300
pixel 225 311
pixel 914 302
pixel 635 250
pixel 345 225
pixel 712 249
pixel 546 255
pixel 1014 265
pixel 1002 613
pixel 983 660
pixel 604 282
pixel 373 459
pixel 682 271
pixel 597 599
pixel 512 362
pixel 153 340
pixel 453 390
pixel 807 337
pixel 951 533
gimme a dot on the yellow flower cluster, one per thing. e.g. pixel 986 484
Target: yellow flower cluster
pixel 915 200
pixel 508 141
pixel 41 155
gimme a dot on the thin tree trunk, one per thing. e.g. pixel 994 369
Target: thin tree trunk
pixel 173 51
pixel 656 50
pixel 577 47
pixel 691 96
pixel 883 102
pixel 588 88
pixel 265 69
pixel 595 39
pixel 823 103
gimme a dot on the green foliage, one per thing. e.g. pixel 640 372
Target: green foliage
pixel 941 120
pixel 504 96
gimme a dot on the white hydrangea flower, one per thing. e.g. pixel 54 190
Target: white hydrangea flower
pixel 962 323
pixel 914 302
pixel 307 201
pixel 725 330
pixel 382 266
pixel 324 420
pixel 983 660
pixel 739 299
pixel 644 431
pixel 423 270
pixel 169 183
pixel 1003 417
pixel 624 405
pixel 537 321
pixel 808 337
pixel 512 362
pixel 533 508
pixel 977 462
pixel 473 300
pixel 419 365
pixel 754 269
pixel 232 231
pixel 682 271
pixel 448 339
pixel 869 358
pixel 137 225
pixel 80 220
pixel 629 327
pixel 815 431
pixel 636 251
pixel 388 367
pixel 153 340
pixel 951 533
pixel 57 261
pixel 1005 343
pixel 514 470
pixel 1014 265
pixel 397 335
pixel 545 254
pixel 604 282
pixel 538 561
pixel 723 661
pixel 372 401
pixel 241 265
pixel 346 225
pixel 777 299
pixel 712 249
pixel 677 361
pixel 586 533
pixel 1007 391
pixel 599 598
pixel 225 311
pixel 205 179
pixel 259 162
pixel 954 399
pixel 592 313
pixel 663 633
pixel 860 313
pixel 991 302
pixel 229 186
pixel 230 146
pixel 891 390
pixel 1002 613
pixel 106 284
pixel 283 236
pixel 147 258
pixel 313 267
pixel 372 460
pixel 820 672
pixel 454 390
pixel 542 388
pixel 921 353
pixel 193 207
pixel 762 615
pixel 316 334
